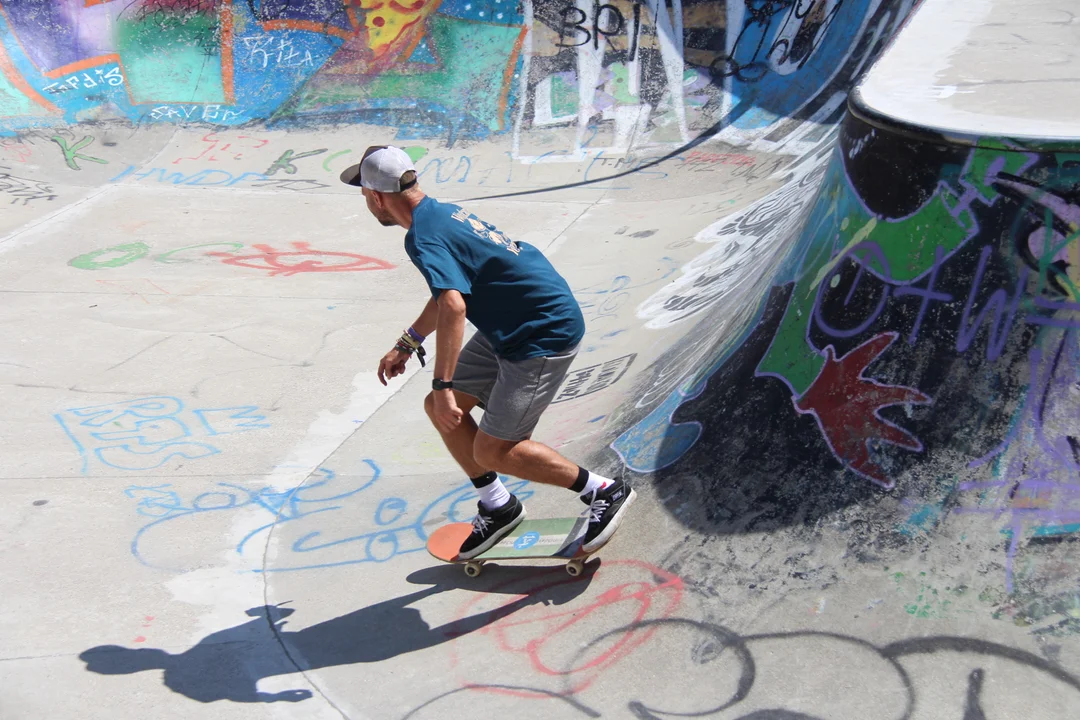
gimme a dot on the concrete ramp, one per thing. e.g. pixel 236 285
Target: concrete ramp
pixel 826 252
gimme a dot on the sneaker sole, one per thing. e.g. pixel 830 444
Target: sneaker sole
pixel 601 540
pixel 491 541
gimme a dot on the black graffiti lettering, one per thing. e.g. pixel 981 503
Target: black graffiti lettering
pixel 750 658
pixel 297 185
pixel 973 710
pixel 634 32
pixel 577 25
pixel 598 23
pixel 607 21
pixel 594 378
pixel 578 381
pixel 24 189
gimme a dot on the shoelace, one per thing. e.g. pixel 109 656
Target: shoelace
pixel 596 509
pixel 480 523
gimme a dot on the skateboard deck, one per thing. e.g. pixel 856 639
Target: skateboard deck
pixel 532 539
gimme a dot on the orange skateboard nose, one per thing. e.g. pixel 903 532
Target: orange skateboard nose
pixel 445 542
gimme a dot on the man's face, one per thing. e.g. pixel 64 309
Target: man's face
pixel 380 214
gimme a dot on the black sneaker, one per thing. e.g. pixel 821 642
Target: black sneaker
pixel 606 510
pixel 489 526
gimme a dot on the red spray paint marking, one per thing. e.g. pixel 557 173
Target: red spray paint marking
pixel 657 597
pixel 147 619
pixel 303 260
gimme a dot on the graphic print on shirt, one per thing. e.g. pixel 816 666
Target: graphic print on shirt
pixel 486 231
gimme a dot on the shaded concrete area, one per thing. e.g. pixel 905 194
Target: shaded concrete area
pixel 834 353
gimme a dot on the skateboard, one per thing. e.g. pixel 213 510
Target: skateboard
pixel 532 539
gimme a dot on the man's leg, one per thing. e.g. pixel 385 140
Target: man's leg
pixel 522 393
pixel 526 459
pixel 607 499
pixel 460 440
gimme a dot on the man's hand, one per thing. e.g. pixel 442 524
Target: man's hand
pixel 447 413
pixel 392 364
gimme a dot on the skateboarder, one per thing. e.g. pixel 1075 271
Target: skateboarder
pixel 528 330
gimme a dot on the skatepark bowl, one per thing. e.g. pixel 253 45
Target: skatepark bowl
pixel 827 255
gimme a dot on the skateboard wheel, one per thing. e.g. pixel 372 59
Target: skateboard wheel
pixel 472 569
pixel 574 567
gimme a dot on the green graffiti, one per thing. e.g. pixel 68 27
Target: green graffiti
pixel 285 162
pixel 168 257
pixel 621 90
pixel 564 97
pixel 72 154
pixel 415 152
pixel 331 156
pixel 171 57
pixel 903 249
pixel 114 257
pixel 120 255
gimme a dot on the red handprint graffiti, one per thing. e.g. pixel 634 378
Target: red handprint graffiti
pixel 846 406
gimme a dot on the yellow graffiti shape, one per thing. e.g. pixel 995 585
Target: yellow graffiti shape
pixel 387 20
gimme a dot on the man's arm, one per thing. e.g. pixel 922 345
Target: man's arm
pixel 425 324
pixel 450 329
pixel 393 363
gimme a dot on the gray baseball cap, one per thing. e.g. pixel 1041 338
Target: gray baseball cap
pixel 380 169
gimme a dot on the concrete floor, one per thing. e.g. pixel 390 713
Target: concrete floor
pixel 212 509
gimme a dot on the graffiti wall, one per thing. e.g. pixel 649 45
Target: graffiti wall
pixel 912 369
pixel 607 75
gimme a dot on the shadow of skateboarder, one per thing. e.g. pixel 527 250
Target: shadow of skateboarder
pixel 228 664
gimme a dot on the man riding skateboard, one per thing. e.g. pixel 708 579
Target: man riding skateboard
pixel 528 329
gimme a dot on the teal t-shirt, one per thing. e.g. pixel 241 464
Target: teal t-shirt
pixel 512 293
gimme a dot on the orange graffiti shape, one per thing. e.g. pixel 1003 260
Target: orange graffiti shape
pixel 302 259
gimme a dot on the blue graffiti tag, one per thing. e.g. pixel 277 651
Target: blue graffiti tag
pixel 146 433
pixel 291 514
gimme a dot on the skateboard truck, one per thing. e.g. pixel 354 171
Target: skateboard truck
pixel 574 567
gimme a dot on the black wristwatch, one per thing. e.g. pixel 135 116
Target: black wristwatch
pixel 442 384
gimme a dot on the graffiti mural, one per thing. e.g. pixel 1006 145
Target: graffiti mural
pixel 227 63
pixel 613 75
pixel 917 335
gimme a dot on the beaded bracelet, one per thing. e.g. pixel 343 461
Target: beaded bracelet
pixel 408 348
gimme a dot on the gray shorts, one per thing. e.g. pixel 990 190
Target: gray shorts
pixel 513 394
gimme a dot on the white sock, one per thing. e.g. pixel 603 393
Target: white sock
pixel 494 495
pixel 595 482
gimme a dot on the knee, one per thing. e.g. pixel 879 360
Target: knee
pixel 429 406
pixel 490 453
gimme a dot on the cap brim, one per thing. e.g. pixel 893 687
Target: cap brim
pixel 351 175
